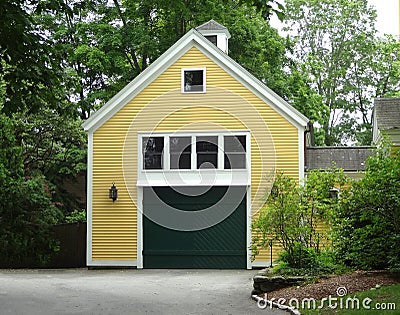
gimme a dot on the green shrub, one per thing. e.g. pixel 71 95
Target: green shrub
pixel 76 216
pixel 367 225
pixel 291 216
pixel 300 257
pixel 26 209
pixel 306 261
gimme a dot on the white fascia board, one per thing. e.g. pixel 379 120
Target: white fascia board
pixel 140 82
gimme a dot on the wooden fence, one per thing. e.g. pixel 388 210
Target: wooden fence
pixel 72 238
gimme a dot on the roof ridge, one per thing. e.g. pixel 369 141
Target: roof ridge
pixel 211 25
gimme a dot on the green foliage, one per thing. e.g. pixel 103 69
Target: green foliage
pixel 279 219
pixel 53 145
pixel 107 44
pixel 292 213
pixel 336 47
pixel 29 67
pixel 305 261
pixel 26 208
pixel 267 7
pixel 367 229
pixel 76 216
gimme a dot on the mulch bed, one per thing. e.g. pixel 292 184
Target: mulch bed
pixel 332 285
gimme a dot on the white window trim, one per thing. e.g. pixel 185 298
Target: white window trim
pixel 194 176
pixel 183 80
pixel 193 135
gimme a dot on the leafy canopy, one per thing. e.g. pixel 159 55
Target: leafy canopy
pixel 337 48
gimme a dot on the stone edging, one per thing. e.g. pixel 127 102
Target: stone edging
pixel 286 308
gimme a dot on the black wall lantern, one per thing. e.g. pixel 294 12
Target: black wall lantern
pixel 113 193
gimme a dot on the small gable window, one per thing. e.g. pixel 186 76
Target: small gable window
pixel 193 80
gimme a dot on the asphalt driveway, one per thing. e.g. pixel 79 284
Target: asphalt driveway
pixel 81 291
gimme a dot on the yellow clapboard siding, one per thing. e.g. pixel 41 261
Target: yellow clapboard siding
pixel 161 107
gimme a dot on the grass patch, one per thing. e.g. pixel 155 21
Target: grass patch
pixel 385 300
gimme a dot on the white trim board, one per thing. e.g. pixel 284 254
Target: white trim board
pixel 139 232
pixel 89 200
pixel 248 227
pixel 112 263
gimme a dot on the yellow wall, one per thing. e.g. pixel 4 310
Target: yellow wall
pixel 227 105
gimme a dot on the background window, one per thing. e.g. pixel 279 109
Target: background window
pixel 235 152
pixel 180 149
pixel 153 148
pixel 193 80
pixel 207 151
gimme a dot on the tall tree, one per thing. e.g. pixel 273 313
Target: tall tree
pixel 336 44
pixel 29 69
pixel 107 44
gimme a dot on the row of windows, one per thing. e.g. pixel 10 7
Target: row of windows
pixel 204 156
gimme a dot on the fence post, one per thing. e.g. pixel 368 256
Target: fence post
pixel 270 244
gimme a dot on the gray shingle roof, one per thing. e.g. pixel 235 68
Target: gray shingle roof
pixel 348 158
pixel 210 25
pixel 387 112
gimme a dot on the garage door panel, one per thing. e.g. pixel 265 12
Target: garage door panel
pixel 222 245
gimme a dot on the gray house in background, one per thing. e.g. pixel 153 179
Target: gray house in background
pixel 386 120
pixel 350 159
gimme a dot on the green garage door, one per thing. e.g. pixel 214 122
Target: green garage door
pixel 221 245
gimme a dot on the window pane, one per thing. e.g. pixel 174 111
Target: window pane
pixel 234 144
pixel 212 39
pixel 207 144
pixel 207 152
pixel 180 144
pixel 152 152
pixel 194 81
pixel 207 160
pixel 180 152
pixel 235 152
pixel 235 161
pixel 180 161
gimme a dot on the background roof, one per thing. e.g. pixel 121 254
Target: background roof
pixel 387 112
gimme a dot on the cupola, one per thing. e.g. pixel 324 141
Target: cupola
pixel 215 33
